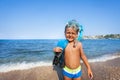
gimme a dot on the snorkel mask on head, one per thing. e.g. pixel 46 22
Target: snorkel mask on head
pixel 77 27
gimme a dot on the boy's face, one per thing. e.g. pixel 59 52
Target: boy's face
pixel 71 34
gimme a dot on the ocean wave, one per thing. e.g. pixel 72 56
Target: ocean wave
pixel 22 66
pixel 104 58
pixel 25 65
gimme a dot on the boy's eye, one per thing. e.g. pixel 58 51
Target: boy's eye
pixel 70 33
pixel 73 33
pixel 67 32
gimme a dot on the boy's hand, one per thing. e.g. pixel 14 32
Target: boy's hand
pixel 90 74
pixel 57 49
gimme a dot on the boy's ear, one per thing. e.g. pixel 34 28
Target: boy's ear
pixel 77 36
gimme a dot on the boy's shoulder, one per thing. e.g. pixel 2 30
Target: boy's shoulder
pixel 79 43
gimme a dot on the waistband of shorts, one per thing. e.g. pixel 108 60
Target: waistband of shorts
pixel 72 70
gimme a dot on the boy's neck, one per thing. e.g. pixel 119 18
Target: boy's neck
pixel 73 43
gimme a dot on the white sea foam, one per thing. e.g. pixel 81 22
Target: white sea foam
pixel 21 66
pixel 104 58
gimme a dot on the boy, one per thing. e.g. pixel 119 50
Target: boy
pixel 73 53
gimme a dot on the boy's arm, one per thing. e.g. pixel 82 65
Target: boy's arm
pixel 84 58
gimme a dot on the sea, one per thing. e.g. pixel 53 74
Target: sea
pixel 25 54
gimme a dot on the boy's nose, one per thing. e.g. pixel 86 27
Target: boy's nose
pixel 70 34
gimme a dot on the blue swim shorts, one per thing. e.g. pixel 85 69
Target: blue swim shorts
pixel 72 73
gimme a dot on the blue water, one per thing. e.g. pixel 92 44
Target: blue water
pixel 18 54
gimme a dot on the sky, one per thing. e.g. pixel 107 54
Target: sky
pixel 46 19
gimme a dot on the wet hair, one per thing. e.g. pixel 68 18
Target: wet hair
pixel 73 24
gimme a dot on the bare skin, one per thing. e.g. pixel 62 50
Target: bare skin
pixel 74 53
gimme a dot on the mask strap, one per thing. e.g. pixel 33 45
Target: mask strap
pixel 80 36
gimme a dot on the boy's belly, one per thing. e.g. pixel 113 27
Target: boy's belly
pixel 73 64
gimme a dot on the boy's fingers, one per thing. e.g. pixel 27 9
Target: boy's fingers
pixel 91 76
pixel 58 49
pixel 61 48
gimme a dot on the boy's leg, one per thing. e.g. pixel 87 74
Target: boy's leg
pixel 77 78
pixel 67 78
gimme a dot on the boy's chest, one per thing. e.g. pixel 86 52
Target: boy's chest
pixel 70 49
